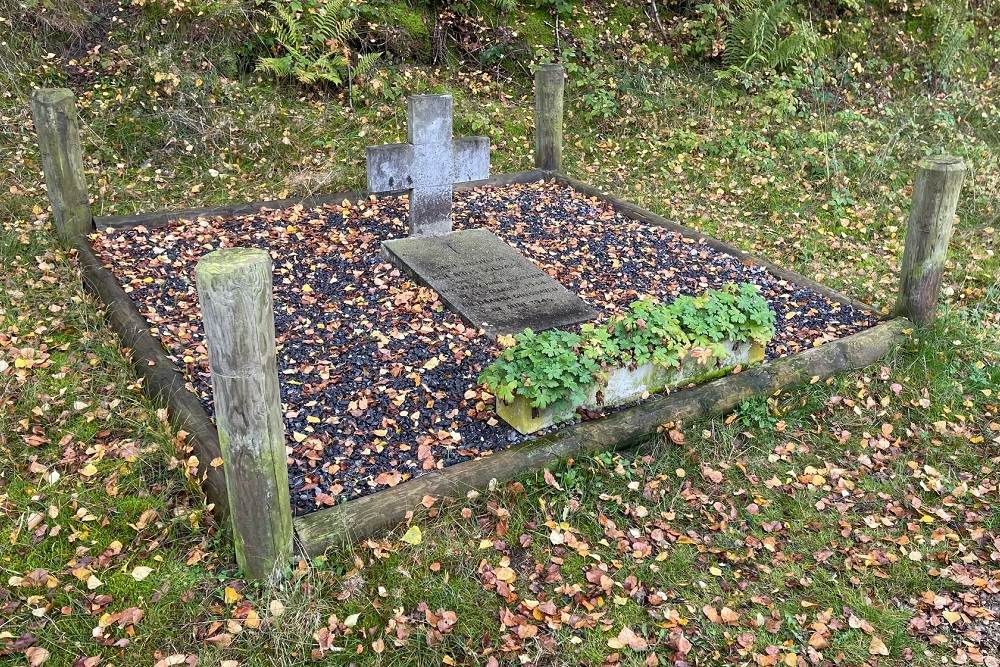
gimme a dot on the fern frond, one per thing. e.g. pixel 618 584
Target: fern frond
pixel 366 63
pixel 315 42
pixel 281 66
pixel 306 76
pixel 764 36
pixel 287 30
pixel 328 26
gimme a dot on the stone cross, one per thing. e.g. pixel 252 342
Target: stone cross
pixel 429 164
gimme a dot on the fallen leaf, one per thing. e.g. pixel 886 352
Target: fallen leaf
pixel 878 647
pixel 413 535
pixel 36 655
pixel 628 638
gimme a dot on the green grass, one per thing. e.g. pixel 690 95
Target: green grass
pixel 815 177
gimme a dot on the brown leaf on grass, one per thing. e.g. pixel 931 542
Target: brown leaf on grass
pixel 819 638
pixel 627 637
pixel 728 616
pixel 36 655
pixel 877 647
pixel 858 623
pixel 551 480
pixel 172 660
pixel 504 574
pixel 712 614
pixel 711 475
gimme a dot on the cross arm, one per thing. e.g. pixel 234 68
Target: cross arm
pixel 471 159
pixel 390 167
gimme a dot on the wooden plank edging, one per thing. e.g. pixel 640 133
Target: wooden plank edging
pixel 364 516
pixel 162 380
pixel 161 218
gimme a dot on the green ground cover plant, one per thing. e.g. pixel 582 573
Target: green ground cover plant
pixel 315 43
pixel 551 366
pixel 849 521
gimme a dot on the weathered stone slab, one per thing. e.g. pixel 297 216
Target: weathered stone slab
pixel 488 283
pixel 429 165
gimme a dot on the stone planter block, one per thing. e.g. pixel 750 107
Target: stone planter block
pixel 622 385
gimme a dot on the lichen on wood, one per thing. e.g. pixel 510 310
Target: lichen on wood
pixel 234 288
pixel 549 84
pixel 54 114
pixel 932 215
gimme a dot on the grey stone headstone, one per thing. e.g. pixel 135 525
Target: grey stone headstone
pixel 488 283
pixel 429 164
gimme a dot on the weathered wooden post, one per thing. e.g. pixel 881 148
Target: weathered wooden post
pixel 234 288
pixel 935 198
pixel 54 113
pixel 549 84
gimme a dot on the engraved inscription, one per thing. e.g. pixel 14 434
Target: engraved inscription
pixel 488 283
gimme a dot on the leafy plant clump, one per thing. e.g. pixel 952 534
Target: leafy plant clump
pixel 554 365
pixel 314 40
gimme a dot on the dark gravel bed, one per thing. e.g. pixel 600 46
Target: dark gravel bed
pixel 378 379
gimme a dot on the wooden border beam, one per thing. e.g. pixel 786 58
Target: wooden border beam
pixel 355 519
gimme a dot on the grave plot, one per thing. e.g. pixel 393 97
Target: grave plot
pixel 387 309
pixel 378 375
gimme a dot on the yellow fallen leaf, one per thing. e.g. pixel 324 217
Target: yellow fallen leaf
pixel 232 595
pixel 252 620
pixel 89 470
pixel 413 535
pixel 141 572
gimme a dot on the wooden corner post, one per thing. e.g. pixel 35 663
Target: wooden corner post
pixel 234 288
pixel 54 113
pixel 935 198
pixel 549 84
